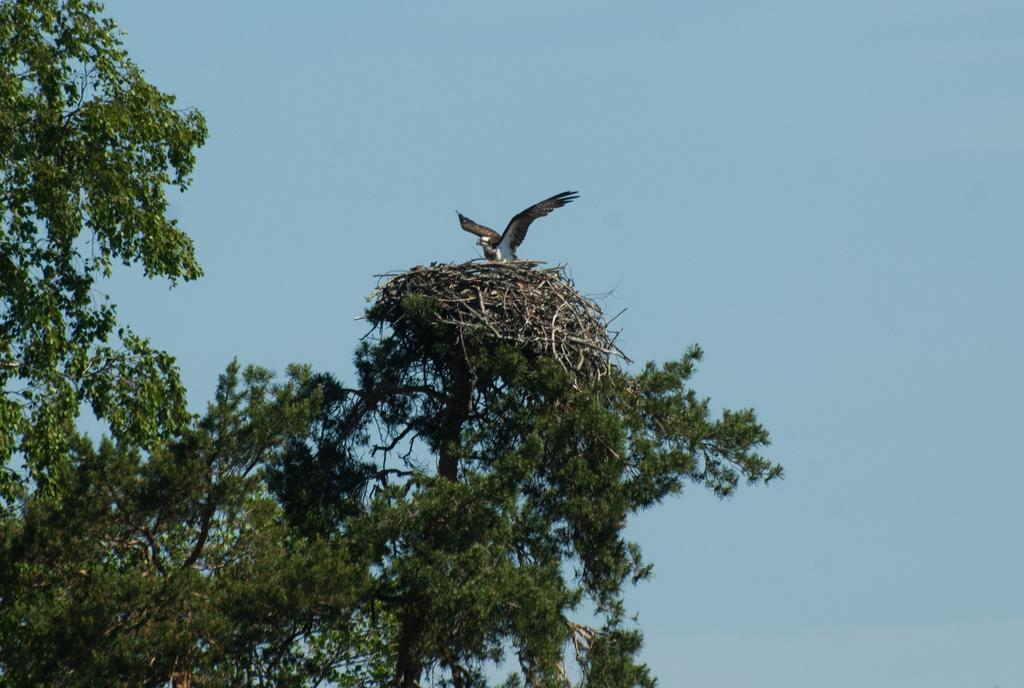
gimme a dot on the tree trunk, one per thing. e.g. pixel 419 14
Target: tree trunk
pixel 408 666
pixel 456 411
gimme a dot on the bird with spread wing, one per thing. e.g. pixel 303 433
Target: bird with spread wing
pixel 503 246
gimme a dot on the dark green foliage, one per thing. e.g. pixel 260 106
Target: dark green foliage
pixel 499 493
pixel 159 555
pixel 462 505
pixel 135 571
pixel 610 659
pixel 318 480
pixel 87 151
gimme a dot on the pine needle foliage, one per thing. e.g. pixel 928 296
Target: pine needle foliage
pixel 493 487
pixel 178 567
pixel 460 507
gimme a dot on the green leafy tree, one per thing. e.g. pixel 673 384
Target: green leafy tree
pixel 492 494
pixel 88 150
pixel 179 566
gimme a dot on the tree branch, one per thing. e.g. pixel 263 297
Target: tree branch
pixel 154 549
pixel 204 531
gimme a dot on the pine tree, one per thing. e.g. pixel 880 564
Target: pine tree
pixel 177 565
pixel 492 484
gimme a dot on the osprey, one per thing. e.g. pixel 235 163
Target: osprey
pixel 503 246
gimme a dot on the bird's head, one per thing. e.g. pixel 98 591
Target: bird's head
pixel 490 253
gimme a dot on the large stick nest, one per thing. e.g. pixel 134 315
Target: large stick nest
pixel 536 309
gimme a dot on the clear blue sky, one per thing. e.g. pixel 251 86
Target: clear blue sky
pixel 826 196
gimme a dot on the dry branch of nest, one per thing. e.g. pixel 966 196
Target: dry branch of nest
pixel 537 309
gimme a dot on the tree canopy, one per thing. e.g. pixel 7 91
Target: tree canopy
pixel 494 493
pixel 458 509
pixel 178 565
pixel 88 150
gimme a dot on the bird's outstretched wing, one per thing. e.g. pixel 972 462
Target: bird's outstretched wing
pixel 517 226
pixel 486 233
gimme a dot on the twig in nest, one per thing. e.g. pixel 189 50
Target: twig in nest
pixel 537 309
